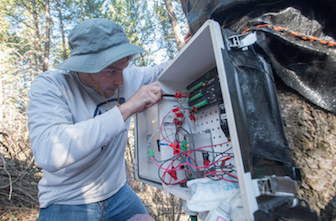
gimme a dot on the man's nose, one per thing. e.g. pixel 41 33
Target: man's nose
pixel 119 79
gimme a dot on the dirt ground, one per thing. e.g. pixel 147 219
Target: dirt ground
pixel 18 214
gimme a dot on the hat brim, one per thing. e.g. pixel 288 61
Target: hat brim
pixel 96 62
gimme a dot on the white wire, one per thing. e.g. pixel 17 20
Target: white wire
pixel 151 137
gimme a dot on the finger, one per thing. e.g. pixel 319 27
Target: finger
pixel 152 98
pixel 155 96
pixel 187 37
pixel 155 88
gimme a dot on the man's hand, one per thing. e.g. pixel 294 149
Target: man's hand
pixel 144 98
pixel 187 37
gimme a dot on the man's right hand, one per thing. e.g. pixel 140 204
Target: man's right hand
pixel 144 98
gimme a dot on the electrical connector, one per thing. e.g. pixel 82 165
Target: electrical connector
pixel 205 155
pixel 192 117
pixel 200 84
pixel 183 148
pixel 198 105
pixel 176 147
pixel 178 95
pixel 150 153
pixel 172 173
pixel 158 145
pixel 176 110
pixel 206 162
pixel 177 122
pixel 224 162
pixel 179 114
pixel 196 96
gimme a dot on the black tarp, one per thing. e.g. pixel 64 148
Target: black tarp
pixel 298 38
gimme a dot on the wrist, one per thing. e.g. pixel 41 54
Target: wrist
pixel 125 111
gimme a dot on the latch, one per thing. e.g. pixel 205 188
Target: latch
pixel 242 40
pixel 277 186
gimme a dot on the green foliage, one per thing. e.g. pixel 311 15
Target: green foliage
pixel 146 24
pixel 24 43
pixel 23 31
pixel 131 15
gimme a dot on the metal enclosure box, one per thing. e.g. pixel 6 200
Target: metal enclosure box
pixel 206 51
pixel 202 53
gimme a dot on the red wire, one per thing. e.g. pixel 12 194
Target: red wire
pixel 187 154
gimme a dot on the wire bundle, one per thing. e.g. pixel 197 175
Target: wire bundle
pixel 183 166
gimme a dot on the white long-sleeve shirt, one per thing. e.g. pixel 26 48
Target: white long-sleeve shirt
pixel 77 139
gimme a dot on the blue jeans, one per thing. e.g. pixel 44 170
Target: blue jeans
pixel 121 206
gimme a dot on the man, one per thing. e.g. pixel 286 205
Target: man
pixel 78 117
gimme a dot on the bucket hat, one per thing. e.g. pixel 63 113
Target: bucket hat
pixel 95 44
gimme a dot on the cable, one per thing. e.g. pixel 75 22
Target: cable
pixel 151 137
pixel 182 141
pixel 171 169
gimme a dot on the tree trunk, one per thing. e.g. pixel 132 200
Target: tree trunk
pixel 174 23
pixel 1 101
pixel 60 16
pixel 37 39
pixel 311 134
pixel 47 43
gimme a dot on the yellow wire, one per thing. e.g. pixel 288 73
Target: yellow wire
pixel 101 93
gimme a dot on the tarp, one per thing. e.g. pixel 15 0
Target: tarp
pixel 298 38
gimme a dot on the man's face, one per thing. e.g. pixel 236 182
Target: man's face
pixel 108 80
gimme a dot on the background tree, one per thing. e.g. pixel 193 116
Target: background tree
pixel 174 24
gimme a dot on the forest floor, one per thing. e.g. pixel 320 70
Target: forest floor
pixel 18 214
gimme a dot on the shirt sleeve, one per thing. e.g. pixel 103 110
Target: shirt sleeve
pixel 56 140
pixel 146 75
